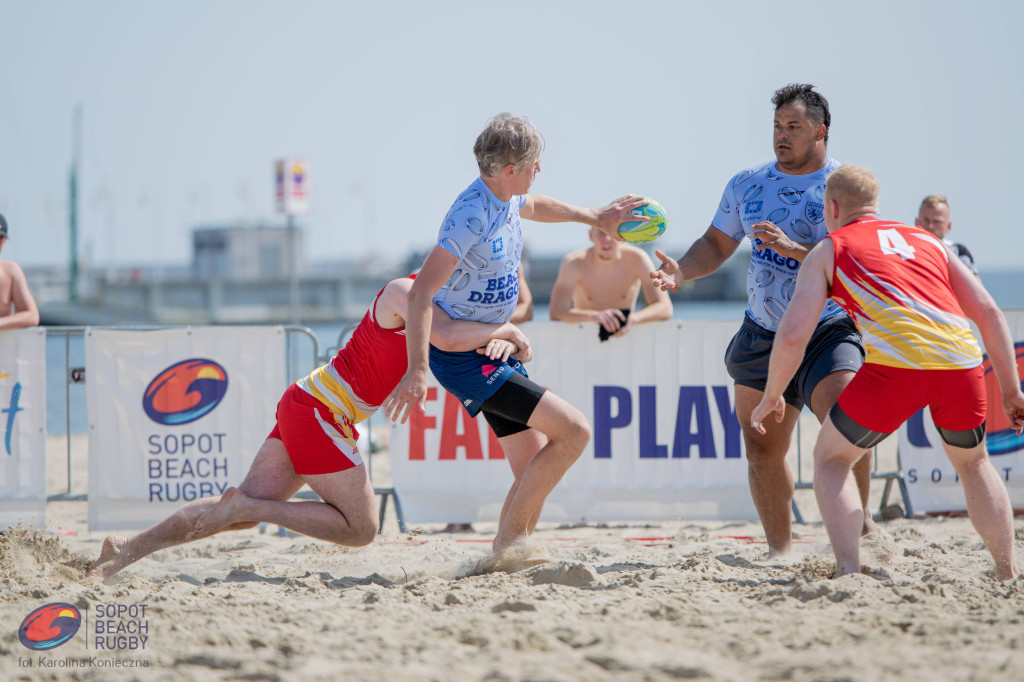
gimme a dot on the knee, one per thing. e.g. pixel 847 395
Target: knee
pixel 364 533
pixel 760 455
pixel 578 432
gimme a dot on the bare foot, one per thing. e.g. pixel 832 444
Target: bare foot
pixel 869 524
pixel 224 513
pixel 110 553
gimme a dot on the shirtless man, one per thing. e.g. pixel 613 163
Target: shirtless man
pixel 900 285
pixel 598 283
pixel 314 440
pixel 17 307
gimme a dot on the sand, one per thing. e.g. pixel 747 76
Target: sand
pixel 666 601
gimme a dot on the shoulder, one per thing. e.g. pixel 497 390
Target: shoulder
pixel 574 259
pixel 749 175
pixel 10 269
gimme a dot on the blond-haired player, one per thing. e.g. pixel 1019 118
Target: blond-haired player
pixel 911 299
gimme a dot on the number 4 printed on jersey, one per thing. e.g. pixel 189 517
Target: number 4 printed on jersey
pixel 893 244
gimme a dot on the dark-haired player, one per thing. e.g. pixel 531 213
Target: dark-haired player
pixel 780 206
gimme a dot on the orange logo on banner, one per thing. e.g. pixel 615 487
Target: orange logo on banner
pixel 1000 438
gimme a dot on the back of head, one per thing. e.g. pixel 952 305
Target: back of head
pixel 3 226
pixel 814 102
pixel 852 187
pixel 507 139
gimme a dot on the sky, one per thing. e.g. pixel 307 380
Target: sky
pixel 186 105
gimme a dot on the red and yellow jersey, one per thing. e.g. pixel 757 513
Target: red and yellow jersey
pixel 893 280
pixel 360 377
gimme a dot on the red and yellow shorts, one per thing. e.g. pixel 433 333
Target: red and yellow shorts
pixel 317 440
pixel 881 398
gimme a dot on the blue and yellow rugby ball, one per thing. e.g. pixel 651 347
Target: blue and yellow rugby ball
pixel 637 232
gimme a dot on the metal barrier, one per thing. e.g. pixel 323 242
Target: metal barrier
pixel 77 376
pixel 888 476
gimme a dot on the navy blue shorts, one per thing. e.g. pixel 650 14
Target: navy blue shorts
pixel 835 345
pixel 470 376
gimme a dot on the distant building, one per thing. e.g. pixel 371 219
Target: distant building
pixel 244 253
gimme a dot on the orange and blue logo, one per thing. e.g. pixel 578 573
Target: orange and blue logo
pixel 1000 437
pixel 185 391
pixel 49 626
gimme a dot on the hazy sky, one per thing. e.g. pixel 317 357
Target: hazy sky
pixel 186 105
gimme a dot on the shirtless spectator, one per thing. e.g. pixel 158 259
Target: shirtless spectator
pixel 601 284
pixel 17 307
pixel 524 306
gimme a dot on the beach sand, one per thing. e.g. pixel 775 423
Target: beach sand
pixel 664 601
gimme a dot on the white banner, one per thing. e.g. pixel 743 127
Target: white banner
pixel 23 425
pixel 931 480
pixel 175 415
pixel 666 443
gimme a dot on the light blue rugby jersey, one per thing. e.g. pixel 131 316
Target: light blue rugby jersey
pixel 486 235
pixel 796 203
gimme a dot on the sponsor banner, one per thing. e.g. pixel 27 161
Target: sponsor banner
pixel 291 186
pixel 22 426
pixel 666 443
pixel 931 480
pixel 175 415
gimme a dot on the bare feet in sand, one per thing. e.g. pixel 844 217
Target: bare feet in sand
pixel 112 557
pixel 226 512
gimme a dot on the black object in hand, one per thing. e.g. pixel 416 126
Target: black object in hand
pixel 604 334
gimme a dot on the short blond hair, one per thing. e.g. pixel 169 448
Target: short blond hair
pixel 507 139
pixel 850 185
pixel 933 200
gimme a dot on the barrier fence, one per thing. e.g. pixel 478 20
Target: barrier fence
pixel 666 443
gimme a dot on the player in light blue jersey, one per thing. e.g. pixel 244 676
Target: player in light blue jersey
pixel 780 207
pixel 472 275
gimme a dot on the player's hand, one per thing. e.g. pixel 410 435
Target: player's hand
pixel 522 343
pixel 1013 407
pixel 769 235
pixel 611 319
pixel 765 408
pixel 620 211
pixel 624 329
pixel 668 276
pixel 411 392
pixel 498 348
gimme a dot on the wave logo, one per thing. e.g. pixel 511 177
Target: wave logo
pixel 185 391
pixel 49 626
pixel 1000 437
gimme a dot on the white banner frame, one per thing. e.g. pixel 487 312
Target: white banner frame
pixel 141 470
pixel 634 467
pixel 22 426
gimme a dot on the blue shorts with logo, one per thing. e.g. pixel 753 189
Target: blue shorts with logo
pixel 470 376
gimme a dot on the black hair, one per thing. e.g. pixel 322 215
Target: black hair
pixel 814 102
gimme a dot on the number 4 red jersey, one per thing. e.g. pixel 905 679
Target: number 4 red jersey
pixel 893 280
